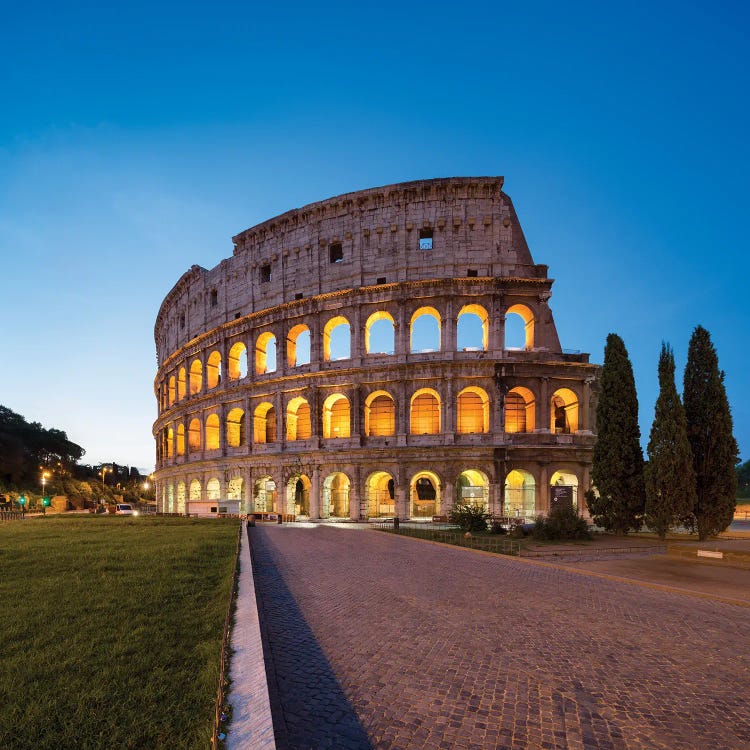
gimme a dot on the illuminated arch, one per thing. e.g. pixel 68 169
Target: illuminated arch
pixel 195 491
pixel 180 442
pixel 335 496
pixel 520 410
pixel 528 327
pixel 473 411
pixel 336 416
pixel 472 329
pixel 425 330
pixel 380 414
pixel 380 333
pixel 424 493
pixel 170 442
pixel 337 339
pixel 236 428
pixel 234 488
pixel 264 494
pixel 170 498
pixel 424 412
pixel 212 432
pixel 213 370
pixel 213 489
pixel 264 423
pixel 298 346
pixel 565 479
pixel 181 495
pixel 237 361
pixel 380 495
pixel 196 377
pixel 194 435
pixel 181 384
pixel 473 488
pixel 171 390
pixel 265 353
pixel 563 412
pixel 520 495
pixel 298 495
pixel 298 423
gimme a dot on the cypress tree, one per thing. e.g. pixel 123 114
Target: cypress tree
pixel 617 470
pixel 709 429
pixel 670 478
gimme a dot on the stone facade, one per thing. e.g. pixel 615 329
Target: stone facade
pixel 355 358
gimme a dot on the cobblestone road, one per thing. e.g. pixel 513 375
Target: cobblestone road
pixel 385 642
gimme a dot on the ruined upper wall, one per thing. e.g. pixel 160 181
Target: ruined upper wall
pixel 357 239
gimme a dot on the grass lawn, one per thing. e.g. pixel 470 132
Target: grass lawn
pixel 110 630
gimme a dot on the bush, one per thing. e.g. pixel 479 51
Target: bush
pixel 469 517
pixel 563 522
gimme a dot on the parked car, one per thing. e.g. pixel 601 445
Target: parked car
pixel 124 509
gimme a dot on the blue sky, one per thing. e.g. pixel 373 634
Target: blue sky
pixel 136 140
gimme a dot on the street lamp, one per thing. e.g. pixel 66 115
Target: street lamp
pixel 102 473
pixel 45 474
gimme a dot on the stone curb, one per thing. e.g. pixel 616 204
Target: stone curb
pixel 251 725
pixel 592 574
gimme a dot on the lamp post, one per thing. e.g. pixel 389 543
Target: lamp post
pixel 103 472
pixel 45 474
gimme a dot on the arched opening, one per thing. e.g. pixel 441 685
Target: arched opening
pixel 180 440
pixel 237 361
pixel 170 499
pixel 234 490
pixel 564 412
pixel 380 495
pixel 195 491
pixel 380 414
pixel 425 495
pixel 298 495
pixel 425 329
pixel 563 489
pixel 213 370
pixel 520 495
pixel 196 377
pixel 194 435
pixel 264 495
pixel 473 488
pixel 265 353
pixel 337 340
pixel 298 346
pixel 380 333
pixel 235 428
pixel 172 390
pixel 473 407
pixel 519 328
pixel 520 410
pixel 212 432
pixel 213 489
pixel 264 423
pixel 298 423
pixel 181 383
pixel 425 412
pixel 472 329
pixel 170 442
pixel 181 494
pixel 336 417
pixel 335 499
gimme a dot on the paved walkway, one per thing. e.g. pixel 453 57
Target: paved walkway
pixel 385 642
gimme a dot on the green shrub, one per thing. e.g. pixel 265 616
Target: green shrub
pixel 469 517
pixel 563 522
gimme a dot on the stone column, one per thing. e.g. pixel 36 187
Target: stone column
pixel 542 500
pixel 448 340
pixel 542 407
pixel 315 493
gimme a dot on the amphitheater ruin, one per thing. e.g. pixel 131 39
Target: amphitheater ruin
pixel 386 352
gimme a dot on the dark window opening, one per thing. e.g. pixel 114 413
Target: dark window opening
pixel 214 298
pixel 265 273
pixel 336 252
pixel 236 315
pixel 382 280
pixel 299 295
pixel 425 239
pixel 471 273
pixel 182 321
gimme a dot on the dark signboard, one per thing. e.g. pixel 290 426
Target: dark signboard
pixel 561 495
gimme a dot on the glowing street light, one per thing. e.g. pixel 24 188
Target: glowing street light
pixel 45 475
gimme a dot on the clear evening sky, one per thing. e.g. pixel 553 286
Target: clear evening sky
pixel 136 140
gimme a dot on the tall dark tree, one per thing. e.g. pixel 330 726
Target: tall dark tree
pixel 670 478
pixel 617 471
pixel 709 429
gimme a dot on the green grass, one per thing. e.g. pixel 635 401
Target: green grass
pixel 110 630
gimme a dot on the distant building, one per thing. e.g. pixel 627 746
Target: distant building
pixel 384 352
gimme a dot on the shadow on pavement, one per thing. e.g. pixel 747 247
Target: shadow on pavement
pixel 308 706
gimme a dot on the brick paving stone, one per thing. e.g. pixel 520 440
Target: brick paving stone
pixel 384 642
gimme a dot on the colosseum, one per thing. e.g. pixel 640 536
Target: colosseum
pixel 386 352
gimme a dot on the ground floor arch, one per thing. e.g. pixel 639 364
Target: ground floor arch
pixel 520 495
pixel 424 495
pixel 564 484
pixel 335 496
pixel 380 495
pixel 473 488
pixel 264 495
pixel 298 495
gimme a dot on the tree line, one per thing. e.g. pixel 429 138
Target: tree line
pixel 689 479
